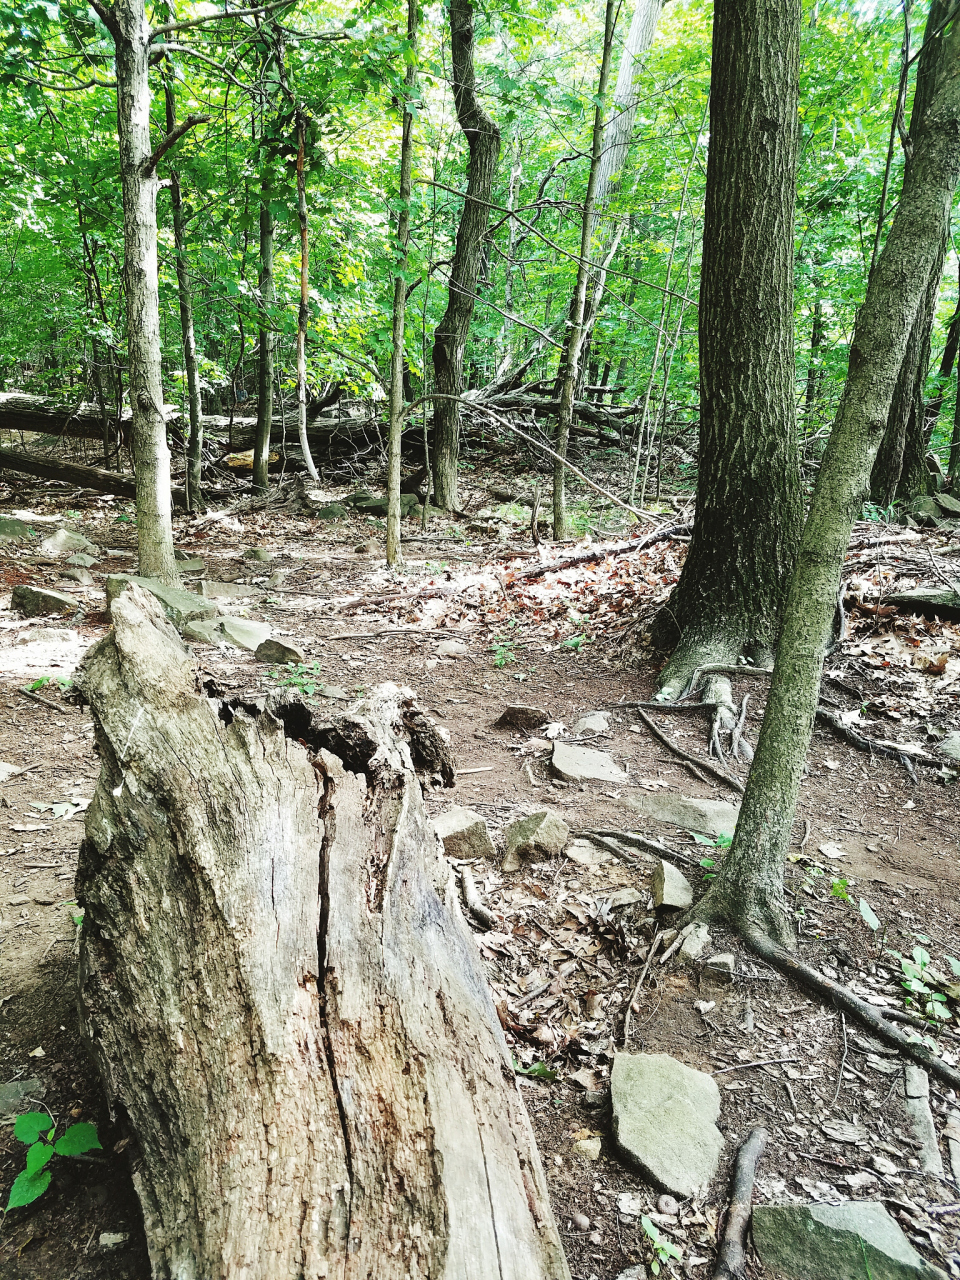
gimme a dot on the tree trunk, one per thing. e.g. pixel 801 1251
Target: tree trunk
pixel 185 294
pixel 818 330
pixel 86 477
pixel 394 554
pixel 576 327
pixel 261 447
pixel 748 891
pixel 450 338
pixel 731 590
pixel 127 22
pixel 303 313
pixel 283 998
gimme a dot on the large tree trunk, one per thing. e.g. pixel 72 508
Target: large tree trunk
pixel 284 1000
pixel 747 525
pixel 450 338
pixel 748 891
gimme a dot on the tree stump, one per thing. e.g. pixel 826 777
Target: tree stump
pixel 281 993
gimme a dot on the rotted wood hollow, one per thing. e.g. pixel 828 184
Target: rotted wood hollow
pixel 285 1003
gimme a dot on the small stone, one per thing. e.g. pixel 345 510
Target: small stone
pixel 588 1147
pixel 670 887
pixel 430 664
pixel 667 1204
pixel 883 1164
pixel 258 553
pixel 203 631
pixel 278 578
pixel 194 565
pixel 624 898
pixel 334 692
pixel 367 548
pixel 64 542
pixel 695 943
pixel 113 1241
pixel 82 560
pixel 180 607
pixel 280 651
pixel 464 834
pixel 37 602
pixel 244 633
pixel 519 716
pixel 639 1272
pixel 12 530
pixel 586 854
pixel 593 722
pixel 48 635
pixel 722 966
pixel 13 1094
pixel 543 834
pixel 950 746
pixel 630 1205
pixel 706 817
pixel 226 590
pixel 83 576
pixel 580 1221
pixel 451 649
pixel 581 764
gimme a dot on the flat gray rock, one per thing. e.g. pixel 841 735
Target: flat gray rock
pixel 226 590
pixel 464 833
pixel 708 817
pixel 520 716
pixel 11 529
pixel 670 887
pixel 203 630
pixel 593 722
pixel 950 746
pixel 82 560
pixel 244 633
pixel 180 607
pixel 65 542
pixel 81 575
pixel 191 565
pixel 12 1095
pixel 37 602
pixel 281 651
pixel 664 1121
pixel 836 1242
pixel 542 834
pixel 258 553
pixel 695 943
pixel 581 764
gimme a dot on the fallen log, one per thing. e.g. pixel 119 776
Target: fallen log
pixel 73 473
pixel 22 412
pixel 276 980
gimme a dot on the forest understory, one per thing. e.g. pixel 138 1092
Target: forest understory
pixel 475 622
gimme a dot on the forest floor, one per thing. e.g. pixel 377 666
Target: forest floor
pixel 567 642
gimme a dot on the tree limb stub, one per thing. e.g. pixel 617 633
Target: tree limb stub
pixel 732 1259
pixel 281 992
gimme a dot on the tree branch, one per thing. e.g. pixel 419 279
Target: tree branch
pixel 106 16
pixel 163 49
pixel 218 17
pixel 150 165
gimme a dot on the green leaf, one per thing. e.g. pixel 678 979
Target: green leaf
pixel 27 1187
pixel 954 965
pixel 30 1125
pixel 78 1139
pixel 37 1156
pixel 870 918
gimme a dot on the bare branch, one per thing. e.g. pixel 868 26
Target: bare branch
pixel 162 49
pixel 219 17
pixel 106 16
pixel 150 165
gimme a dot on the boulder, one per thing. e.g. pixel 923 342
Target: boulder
pixel 542 834
pixel 707 817
pixel 836 1242
pixel 280 651
pixel 519 716
pixel 64 543
pixel 191 565
pixel 180 607
pixel 12 530
pixel 82 560
pixel 670 887
pixel 664 1115
pixel 593 722
pixel 226 590
pixel 948 504
pixel 936 604
pixel 464 834
pixel 244 633
pixel 36 602
pixel 203 631
pixel 258 553
pixel 83 576
pixel 581 764
pixel 332 511
pixel 371 507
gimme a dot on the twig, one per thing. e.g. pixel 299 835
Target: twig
pixel 705 765
pixel 564 971
pixel 472 898
pixel 43 701
pixel 602 552
pixel 669 707
pixel 843 1061
pixel 954 586
pixel 731 1259
pixel 745 1066
pixel 534 517
pixel 636 991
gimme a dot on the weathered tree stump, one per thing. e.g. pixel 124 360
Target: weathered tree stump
pixel 283 998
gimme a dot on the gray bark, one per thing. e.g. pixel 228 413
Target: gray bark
pixel 285 1003
pixel 261 445
pixel 303 314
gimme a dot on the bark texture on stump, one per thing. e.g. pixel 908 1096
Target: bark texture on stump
pixel 282 994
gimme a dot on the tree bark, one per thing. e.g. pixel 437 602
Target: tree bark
pixel 748 891
pixel 450 338
pixel 261 446
pixel 576 326
pixel 303 314
pixel 748 513
pixel 185 296
pixel 86 477
pixel 394 555
pixel 285 1003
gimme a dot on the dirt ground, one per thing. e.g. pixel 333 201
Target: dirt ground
pixel 831 1100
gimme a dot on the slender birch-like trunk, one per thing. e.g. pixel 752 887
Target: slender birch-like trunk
pixel 303 313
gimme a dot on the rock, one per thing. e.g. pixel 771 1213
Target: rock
pixel 64 542
pixel 588 1147
pixel 939 604
pixel 332 511
pixel 580 1221
pixel 371 507
pixel 519 716
pixel 451 649
pixel 836 1242
pixel 670 887
pixel 664 1115
pixel 624 898
pixel 83 576
pixel 48 635
pixel 36 602
pixel 244 633
pixel 581 764
pixel 950 746
pixel 542 834
pixel 707 817
pixel 722 966
pixel 353 499
pixel 196 565
pixel 464 834
pixel 630 1205
pixel 920 1118
pixel 923 507
pixel 667 1204
pixel 11 530
pixel 334 692
pixel 226 590
pixel 639 1272
pixel 593 722
pixel 695 943
pixel 280 651
pixel 204 632
pixel 586 854
pixel 948 504
pixel 113 1241
pixel 258 553
pixel 81 560
pixel 367 548
pixel 883 1164
pixel 13 1094
pixel 180 607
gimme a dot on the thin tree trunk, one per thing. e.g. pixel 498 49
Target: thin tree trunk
pixel 748 516
pixel 185 295
pixel 748 891
pixel 127 22
pixel 265 347
pixel 450 338
pixel 818 331
pixel 394 554
pixel 289 1013
pixel 516 173
pixel 303 314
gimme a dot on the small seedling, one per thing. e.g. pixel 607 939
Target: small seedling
pixel 504 651
pixel 933 1003
pixel 575 643
pixel 305 676
pixel 838 889
pixel 708 864
pixel 539 1070
pixel 32 1129
pixel 663 1250
pixel 42 681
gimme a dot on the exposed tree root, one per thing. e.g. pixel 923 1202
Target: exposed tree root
pixel 602 552
pixel 697 761
pixel 731 1260
pixel 863 743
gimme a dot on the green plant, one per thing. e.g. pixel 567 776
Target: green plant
pixel 539 1070
pixel 305 676
pixel 838 889
pixel 575 643
pixel 933 1003
pixel 32 1129
pixel 663 1250
pixel 708 863
pixel 42 681
pixel 124 517
pixel 503 649
pixel 885 514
